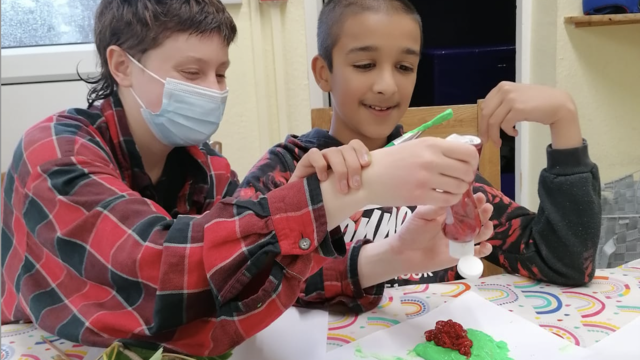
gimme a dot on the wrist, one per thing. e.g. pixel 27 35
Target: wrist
pixel 565 130
pixel 370 178
pixel 338 207
pixel 379 262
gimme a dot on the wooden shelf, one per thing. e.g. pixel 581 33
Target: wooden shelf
pixel 602 20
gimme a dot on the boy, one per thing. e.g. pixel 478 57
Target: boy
pixel 368 56
pixel 115 223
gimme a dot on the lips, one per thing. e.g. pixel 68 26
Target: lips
pixel 379 108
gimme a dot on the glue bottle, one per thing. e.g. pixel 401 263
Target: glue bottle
pixel 462 224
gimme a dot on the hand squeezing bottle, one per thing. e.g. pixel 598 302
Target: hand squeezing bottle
pixel 462 223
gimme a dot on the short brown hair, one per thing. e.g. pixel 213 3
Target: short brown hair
pixel 138 26
pixel 335 13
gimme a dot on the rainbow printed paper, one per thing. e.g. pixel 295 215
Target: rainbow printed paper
pixel 23 342
pixel 524 338
pixel 581 316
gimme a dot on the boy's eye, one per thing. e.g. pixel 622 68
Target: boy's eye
pixel 405 68
pixel 190 73
pixel 221 76
pixel 366 66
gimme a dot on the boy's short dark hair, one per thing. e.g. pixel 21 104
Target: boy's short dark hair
pixel 138 26
pixel 336 12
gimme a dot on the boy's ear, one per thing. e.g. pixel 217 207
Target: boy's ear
pixel 120 65
pixel 321 73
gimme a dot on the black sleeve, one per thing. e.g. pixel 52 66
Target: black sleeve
pixel 559 243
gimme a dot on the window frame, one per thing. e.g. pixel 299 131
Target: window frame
pixel 49 63
pixel 56 62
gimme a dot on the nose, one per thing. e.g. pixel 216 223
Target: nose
pixel 215 83
pixel 385 83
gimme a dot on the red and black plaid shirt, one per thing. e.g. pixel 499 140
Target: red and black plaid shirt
pixel 93 251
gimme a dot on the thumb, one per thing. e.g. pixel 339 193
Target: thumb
pixel 311 163
pixel 301 172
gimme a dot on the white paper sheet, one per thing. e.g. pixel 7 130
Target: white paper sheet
pixel 525 339
pixel 297 334
pixel 94 353
pixel 623 344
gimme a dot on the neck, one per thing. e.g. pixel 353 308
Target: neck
pixel 345 134
pixel 153 152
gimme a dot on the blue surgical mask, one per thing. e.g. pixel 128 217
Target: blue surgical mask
pixel 189 114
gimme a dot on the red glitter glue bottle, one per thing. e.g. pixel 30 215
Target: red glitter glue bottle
pixel 462 223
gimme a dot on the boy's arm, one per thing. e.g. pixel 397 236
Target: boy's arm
pixel 271 172
pixel 337 282
pixel 559 243
pixel 102 263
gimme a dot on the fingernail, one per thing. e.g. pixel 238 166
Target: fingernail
pixel 322 176
pixel 364 157
pixel 356 181
pixel 344 186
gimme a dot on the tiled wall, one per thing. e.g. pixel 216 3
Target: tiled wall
pixel 619 238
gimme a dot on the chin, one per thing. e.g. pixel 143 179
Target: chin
pixel 379 131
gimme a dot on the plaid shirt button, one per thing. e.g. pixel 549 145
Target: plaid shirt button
pixel 304 244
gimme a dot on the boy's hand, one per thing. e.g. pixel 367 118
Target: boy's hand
pixel 419 246
pixel 425 171
pixel 510 103
pixel 422 247
pixel 345 161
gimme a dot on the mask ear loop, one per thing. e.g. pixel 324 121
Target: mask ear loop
pixel 144 68
pixel 137 98
pixel 149 72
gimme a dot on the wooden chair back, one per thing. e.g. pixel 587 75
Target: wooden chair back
pixel 217 146
pixel 464 122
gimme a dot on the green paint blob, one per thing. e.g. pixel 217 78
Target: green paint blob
pixel 484 348
pixel 359 353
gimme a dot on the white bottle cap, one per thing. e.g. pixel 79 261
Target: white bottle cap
pixel 470 267
pixel 456 137
pixel 466 139
pixel 459 249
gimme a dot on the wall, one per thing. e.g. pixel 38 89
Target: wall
pixel 599 67
pixel 261 110
pixel 268 83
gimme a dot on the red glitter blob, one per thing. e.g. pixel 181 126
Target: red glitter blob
pixel 451 335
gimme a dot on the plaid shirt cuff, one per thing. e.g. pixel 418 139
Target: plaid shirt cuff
pixel 370 297
pixel 342 284
pixel 300 221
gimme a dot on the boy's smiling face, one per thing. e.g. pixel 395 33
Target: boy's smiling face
pixel 375 60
